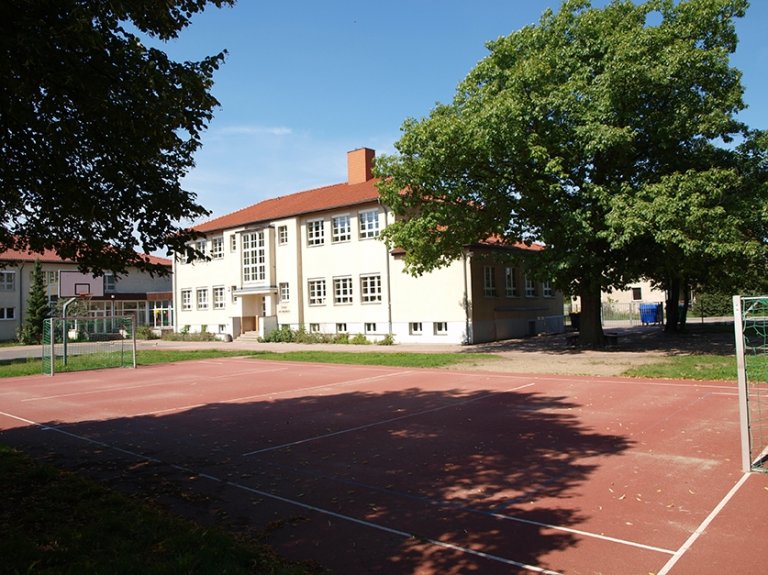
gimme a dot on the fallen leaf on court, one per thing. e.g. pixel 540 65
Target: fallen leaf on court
pixel 622 496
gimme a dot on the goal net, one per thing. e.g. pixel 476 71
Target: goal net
pixel 81 343
pixel 751 325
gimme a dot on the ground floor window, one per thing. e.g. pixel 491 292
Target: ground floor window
pixel 186 299
pixel 441 328
pixel 341 328
pixel 314 328
pixel 218 297
pixel 316 292
pixel 415 328
pixel 370 328
pixel 370 288
pixel 7 313
pixel 162 313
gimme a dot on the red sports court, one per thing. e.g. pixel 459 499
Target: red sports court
pixel 388 470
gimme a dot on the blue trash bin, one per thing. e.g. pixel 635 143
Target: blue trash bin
pixel 650 313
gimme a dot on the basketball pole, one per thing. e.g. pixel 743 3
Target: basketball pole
pixel 64 333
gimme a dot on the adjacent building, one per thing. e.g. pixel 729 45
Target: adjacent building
pixel 148 298
pixel 314 259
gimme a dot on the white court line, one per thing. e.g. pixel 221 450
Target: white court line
pixel 328 512
pixel 383 421
pixel 278 393
pixel 704 524
pixel 348 518
pixel 143 385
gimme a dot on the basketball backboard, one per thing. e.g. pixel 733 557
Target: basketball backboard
pixel 76 284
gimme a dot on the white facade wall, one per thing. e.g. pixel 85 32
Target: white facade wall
pixel 431 308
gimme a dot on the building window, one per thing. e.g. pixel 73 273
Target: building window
pixel 489 281
pixel 202 298
pixel 233 243
pixel 254 257
pixel 510 283
pixel 233 293
pixel 637 293
pixel 315 233
pixel 218 297
pixel 342 290
pixel 284 292
pixel 282 235
pixel 369 224
pixel 370 328
pixel 200 246
pixel 8 281
pixel 217 248
pixel 186 299
pixel 316 292
pixel 7 313
pixel 341 229
pixel 441 327
pixel 110 283
pixel 530 287
pixel 341 328
pixel 546 289
pixel 370 288
pixel 314 328
pixel 415 328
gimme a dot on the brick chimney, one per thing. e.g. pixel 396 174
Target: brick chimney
pixel 360 165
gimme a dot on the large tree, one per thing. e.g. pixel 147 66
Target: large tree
pixel 97 129
pixel 568 126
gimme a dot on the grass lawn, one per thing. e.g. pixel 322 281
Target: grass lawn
pixel 57 522
pixel 21 367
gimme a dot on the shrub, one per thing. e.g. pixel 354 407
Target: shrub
pixel 359 339
pixel 388 339
pixel 145 332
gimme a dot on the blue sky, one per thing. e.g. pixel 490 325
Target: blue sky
pixel 305 82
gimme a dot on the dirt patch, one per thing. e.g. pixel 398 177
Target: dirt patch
pixel 633 347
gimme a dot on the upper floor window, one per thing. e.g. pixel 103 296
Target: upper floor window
pixel 218 297
pixel 254 257
pixel 369 224
pixel 200 245
pixel 217 247
pixel 7 313
pixel 8 281
pixel 637 293
pixel 547 290
pixel 370 288
pixel 510 283
pixel 316 292
pixel 315 233
pixel 530 287
pixel 202 298
pixel 110 283
pixel 342 230
pixel 282 235
pixel 342 290
pixel 233 243
pixel 489 281
pixel 284 292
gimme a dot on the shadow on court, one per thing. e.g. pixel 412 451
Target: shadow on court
pixel 393 482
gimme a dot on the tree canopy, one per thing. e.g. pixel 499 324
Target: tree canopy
pixel 97 129
pixel 606 134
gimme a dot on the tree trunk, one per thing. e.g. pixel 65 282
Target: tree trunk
pixel 683 319
pixel 673 297
pixel 591 325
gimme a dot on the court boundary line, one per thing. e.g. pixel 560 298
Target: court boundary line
pixel 382 422
pixel 293 502
pixel 703 526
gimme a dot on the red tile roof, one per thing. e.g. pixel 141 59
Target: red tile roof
pixel 316 200
pixel 50 256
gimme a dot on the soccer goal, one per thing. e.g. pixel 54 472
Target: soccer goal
pixel 750 316
pixel 80 343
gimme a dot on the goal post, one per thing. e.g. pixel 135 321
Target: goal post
pixel 750 316
pixel 82 343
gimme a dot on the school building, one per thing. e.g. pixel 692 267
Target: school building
pixel 314 259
